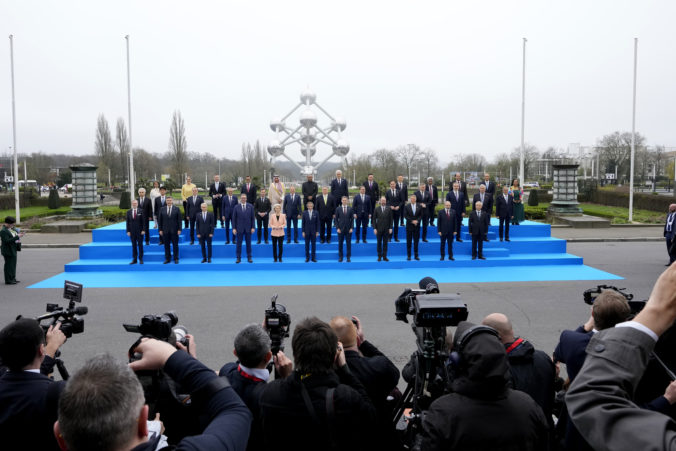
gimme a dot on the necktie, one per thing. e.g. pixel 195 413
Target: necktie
pixel 370 185
pixel 204 217
pixel 392 193
pixel 400 186
pixel 669 221
pixel 243 207
pixel 140 204
pixel 448 215
pixel 324 199
pixel 169 211
pixel 310 214
pixel 293 196
pixel 482 198
pixel 506 198
pixel 134 213
pixel 344 210
pixel 247 187
pixel 456 195
pixel 478 214
pixel 194 200
pixel 413 208
pixel 230 199
pixel 383 209
pixel 362 198
pixel 162 200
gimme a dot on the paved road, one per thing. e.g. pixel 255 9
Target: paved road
pixel 539 310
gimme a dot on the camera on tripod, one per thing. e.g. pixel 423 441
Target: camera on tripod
pixel 70 318
pixel 591 294
pixel 277 322
pixel 428 307
pixel 162 327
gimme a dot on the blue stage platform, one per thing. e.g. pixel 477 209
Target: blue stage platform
pixel 105 262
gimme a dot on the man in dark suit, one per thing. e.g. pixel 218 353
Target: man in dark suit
pixel 504 210
pixel 457 200
pixel 160 203
pixel 423 200
pixel 490 186
pixel 479 221
pixel 486 202
pixel 28 397
pixel 227 206
pixel 310 231
pixel 361 206
pixel 243 227
pixel 250 189
pixel 382 227
pixel 344 221
pixel 216 191
pixel 446 229
pixel 136 231
pixel 206 223
pixel 146 208
pixel 462 186
pixel 339 186
pixel 170 229
pixel 393 198
pixel 403 191
pixel 669 230
pixel 292 211
pixel 193 206
pixel 373 192
pixel 431 188
pixel 326 207
pixel 262 209
pixel 413 213
pixel 309 190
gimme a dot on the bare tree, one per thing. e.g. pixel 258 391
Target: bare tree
pixel 429 161
pixel 615 151
pixel 530 156
pixel 104 148
pixel 122 144
pixel 178 146
pixel 408 155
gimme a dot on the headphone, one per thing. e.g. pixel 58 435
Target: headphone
pixel 455 359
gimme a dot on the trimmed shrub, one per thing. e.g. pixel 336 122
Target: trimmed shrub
pixel 533 198
pixel 641 201
pixel 54 202
pixel 125 200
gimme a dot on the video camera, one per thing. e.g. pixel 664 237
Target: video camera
pixel 162 327
pixel 591 294
pixel 428 307
pixel 277 322
pixel 71 322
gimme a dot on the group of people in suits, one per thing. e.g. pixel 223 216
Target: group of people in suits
pixel 273 213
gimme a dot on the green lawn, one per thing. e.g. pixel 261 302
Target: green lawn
pixel 32 212
pixel 617 215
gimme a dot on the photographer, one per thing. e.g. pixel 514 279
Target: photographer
pixel 28 398
pixel 102 406
pixel 250 373
pixel 373 369
pixel 321 405
pixel 481 396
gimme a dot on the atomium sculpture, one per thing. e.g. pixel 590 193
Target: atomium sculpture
pixel 308 134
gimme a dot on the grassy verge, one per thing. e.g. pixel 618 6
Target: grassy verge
pixel 617 215
pixel 34 212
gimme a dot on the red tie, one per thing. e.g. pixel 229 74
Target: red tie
pixel 447 214
pixel 134 213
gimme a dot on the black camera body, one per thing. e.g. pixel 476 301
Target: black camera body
pixel 70 318
pixel 591 294
pixel 277 322
pixel 162 327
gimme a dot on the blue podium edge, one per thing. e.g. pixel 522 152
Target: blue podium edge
pixel 156 279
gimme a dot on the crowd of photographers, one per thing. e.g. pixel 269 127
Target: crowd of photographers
pixel 482 387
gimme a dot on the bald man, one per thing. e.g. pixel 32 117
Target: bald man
pixel 532 370
pixel 375 371
pixel 669 230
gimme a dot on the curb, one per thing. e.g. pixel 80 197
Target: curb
pixel 50 246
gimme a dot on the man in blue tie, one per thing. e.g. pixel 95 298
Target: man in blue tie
pixel 344 222
pixel 669 233
pixel 413 213
pixel 243 227
pixel 310 231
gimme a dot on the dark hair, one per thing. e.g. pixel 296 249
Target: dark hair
pixel 251 345
pixel 610 308
pixel 314 346
pixel 517 180
pixel 10 220
pixel 100 406
pixel 20 342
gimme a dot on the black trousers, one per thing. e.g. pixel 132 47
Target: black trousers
pixel 478 245
pixel 226 225
pixel 325 229
pixel 218 206
pixel 137 246
pixel 430 213
pixel 344 237
pixel 458 224
pixel 241 235
pixel 446 241
pixel 262 226
pixel 277 246
pixel 146 224
pixel 504 221
pixel 206 250
pixel 424 221
pixel 395 225
pixel 10 269
pixel 186 220
pixel 412 235
pixel 382 239
pixel 310 245
pixel 292 220
pixel 672 255
pixel 170 241
pixel 193 221
pixel 361 223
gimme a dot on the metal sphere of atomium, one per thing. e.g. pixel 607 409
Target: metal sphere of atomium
pixel 276 125
pixel 341 148
pixel 308 118
pixel 304 149
pixel 275 148
pixel 308 138
pixel 308 97
pixel 338 125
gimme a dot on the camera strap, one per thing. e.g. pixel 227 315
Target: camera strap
pixel 330 412
pixel 514 345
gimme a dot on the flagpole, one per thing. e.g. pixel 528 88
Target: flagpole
pixel 16 160
pixel 132 183
pixel 523 115
pixel 633 138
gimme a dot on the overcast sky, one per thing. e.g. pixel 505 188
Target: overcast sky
pixel 444 75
